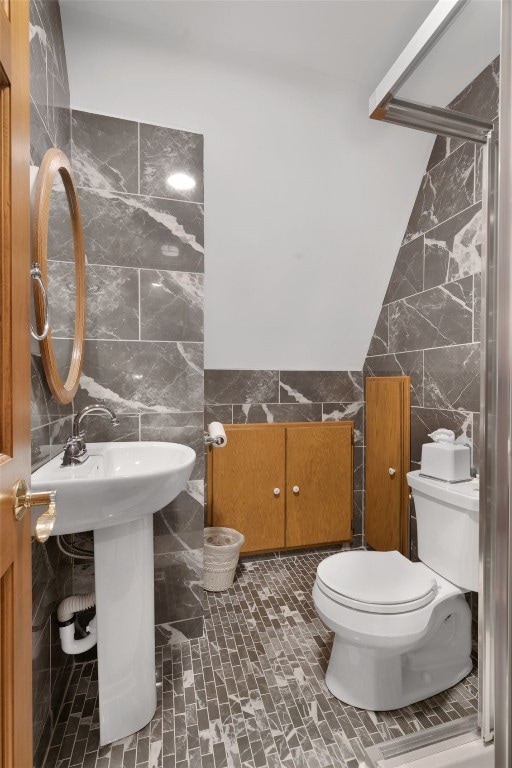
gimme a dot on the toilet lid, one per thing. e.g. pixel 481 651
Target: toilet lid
pixel 376 582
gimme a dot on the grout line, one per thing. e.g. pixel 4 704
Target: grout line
pixel 442 223
pixel 131 341
pixel 135 266
pixel 423 349
pixel 122 193
pixel 138 158
pixel 139 303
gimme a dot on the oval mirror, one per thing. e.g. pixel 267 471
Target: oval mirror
pixel 58 249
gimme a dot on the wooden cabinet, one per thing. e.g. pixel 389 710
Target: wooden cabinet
pixel 242 484
pixel 283 485
pixel 387 462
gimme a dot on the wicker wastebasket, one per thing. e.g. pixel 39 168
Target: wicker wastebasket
pixel 221 551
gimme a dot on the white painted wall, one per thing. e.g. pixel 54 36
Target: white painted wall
pixel 306 198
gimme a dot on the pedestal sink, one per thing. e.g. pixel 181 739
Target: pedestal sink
pixel 115 493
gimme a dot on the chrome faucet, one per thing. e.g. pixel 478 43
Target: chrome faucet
pixel 75 451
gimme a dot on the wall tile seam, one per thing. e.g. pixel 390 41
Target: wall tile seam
pixel 63 703
pixel 131 120
pixel 468 141
pixel 52 422
pixel 441 223
pixel 112 191
pixel 138 300
pixel 260 403
pixel 443 159
pixel 142 341
pixel 421 349
pixel 449 410
pixel 424 290
pixel 144 269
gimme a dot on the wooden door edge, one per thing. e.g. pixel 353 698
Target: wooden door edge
pixel 406 466
pixel 209 487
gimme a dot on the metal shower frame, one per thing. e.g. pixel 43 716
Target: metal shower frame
pixel 495 593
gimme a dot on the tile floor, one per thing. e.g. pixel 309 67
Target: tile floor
pixel 251 693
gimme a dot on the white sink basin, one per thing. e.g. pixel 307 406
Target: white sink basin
pixel 118 483
pixel 114 492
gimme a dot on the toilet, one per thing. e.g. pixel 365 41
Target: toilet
pixel 402 629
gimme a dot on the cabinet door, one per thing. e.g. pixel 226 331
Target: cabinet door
pixel 319 468
pixel 245 475
pixel 387 462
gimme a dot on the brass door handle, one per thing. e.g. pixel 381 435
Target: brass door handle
pixel 24 499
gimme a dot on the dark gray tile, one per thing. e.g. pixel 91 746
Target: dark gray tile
pixel 276 413
pixel 453 250
pixel 136 377
pixel 41 688
pixel 238 386
pixel 254 682
pixel 40 141
pixel 44 408
pixel 134 231
pixel 358 468
pixel 171 305
pixel 452 378
pixel 445 190
pixel 426 420
pixel 105 152
pixel 112 303
pixel 222 413
pixel 358 515
pixel 178 586
pixel 347 412
pixel 59 433
pixel 40 446
pixel 166 151
pixel 379 345
pixel 479 170
pixel 443 146
pixel 436 318
pixel 60 246
pixel 477 306
pixel 475 459
pixel 407 276
pixel 99 429
pixel 185 428
pixel 400 364
pixel 320 386
pixel 61 298
pixel 481 97
pixel 48 74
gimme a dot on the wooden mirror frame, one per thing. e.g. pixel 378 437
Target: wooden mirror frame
pixel 56 162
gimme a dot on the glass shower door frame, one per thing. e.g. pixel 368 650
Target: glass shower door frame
pixel 495 593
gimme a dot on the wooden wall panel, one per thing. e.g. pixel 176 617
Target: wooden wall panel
pixel 244 476
pixel 387 463
pixel 319 464
pixel 261 457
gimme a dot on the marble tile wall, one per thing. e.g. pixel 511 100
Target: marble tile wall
pixel 144 347
pixel 264 396
pixel 50 119
pixel 144 338
pixel 429 325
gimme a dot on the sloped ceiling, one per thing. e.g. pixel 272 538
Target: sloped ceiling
pixel 295 278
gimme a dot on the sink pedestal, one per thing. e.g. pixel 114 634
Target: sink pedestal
pixel 125 611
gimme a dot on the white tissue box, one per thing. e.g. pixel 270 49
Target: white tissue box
pixel 446 461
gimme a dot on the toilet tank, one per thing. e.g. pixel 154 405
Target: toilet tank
pixel 447 516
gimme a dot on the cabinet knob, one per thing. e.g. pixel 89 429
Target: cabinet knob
pixel 296 489
pixel 277 491
pixel 392 472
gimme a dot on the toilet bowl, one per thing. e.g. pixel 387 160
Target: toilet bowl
pixel 402 630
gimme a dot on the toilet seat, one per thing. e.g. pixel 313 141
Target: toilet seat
pixel 376 582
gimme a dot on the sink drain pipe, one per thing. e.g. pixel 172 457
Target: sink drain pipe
pixel 66 614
